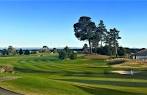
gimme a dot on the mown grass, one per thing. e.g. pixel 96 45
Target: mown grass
pixel 47 75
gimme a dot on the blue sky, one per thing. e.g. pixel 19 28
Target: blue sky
pixel 34 23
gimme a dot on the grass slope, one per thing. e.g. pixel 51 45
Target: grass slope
pixel 47 75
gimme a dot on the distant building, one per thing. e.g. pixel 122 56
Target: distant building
pixel 141 55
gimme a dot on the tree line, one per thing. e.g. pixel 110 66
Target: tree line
pixel 65 53
pixel 11 51
pixel 98 37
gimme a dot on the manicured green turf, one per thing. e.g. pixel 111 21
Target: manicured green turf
pixel 47 75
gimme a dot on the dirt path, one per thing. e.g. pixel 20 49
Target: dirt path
pixel 7 92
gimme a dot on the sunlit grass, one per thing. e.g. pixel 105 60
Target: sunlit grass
pixel 47 75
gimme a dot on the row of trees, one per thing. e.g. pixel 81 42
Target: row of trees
pixel 12 51
pixel 96 35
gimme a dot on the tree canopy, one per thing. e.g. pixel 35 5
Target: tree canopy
pixel 85 30
pixel 97 36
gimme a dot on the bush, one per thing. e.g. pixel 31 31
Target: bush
pixel 27 52
pixel 121 51
pixel 103 50
pixel 62 55
pixel 73 55
pixel 67 53
pixel 54 50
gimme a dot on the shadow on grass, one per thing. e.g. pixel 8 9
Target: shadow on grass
pixel 63 72
pixel 38 59
pixel 24 70
pixel 102 91
pixel 104 82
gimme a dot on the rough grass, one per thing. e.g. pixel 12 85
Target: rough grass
pixel 97 57
pixel 47 75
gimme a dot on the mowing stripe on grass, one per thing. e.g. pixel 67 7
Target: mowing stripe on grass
pixel 112 87
pixel 108 79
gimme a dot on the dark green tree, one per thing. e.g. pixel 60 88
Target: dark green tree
pixel 66 49
pixel 85 30
pixel 103 50
pixel 73 55
pixel 67 53
pixel 96 40
pixel 11 50
pixel 113 37
pixel 62 54
pixel 27 52
pixel 20 52
pixel 121 51
pixel 4 52
pixel 101 32
pixel 55 50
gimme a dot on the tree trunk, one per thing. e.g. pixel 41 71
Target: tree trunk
pixel 90 47
pixel 101 43
pixel 116 53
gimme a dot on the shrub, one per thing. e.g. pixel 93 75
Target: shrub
pixel 27 52
pixel 103 50
pixel 62 55
pixel 121 51
pixel 20 52
pixel 54 50
pixel 67 53
pixel 73 55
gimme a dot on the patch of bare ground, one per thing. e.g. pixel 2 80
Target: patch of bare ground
pixel 4 91
pixel 96 57
pixel 132 64
pixel 8 92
